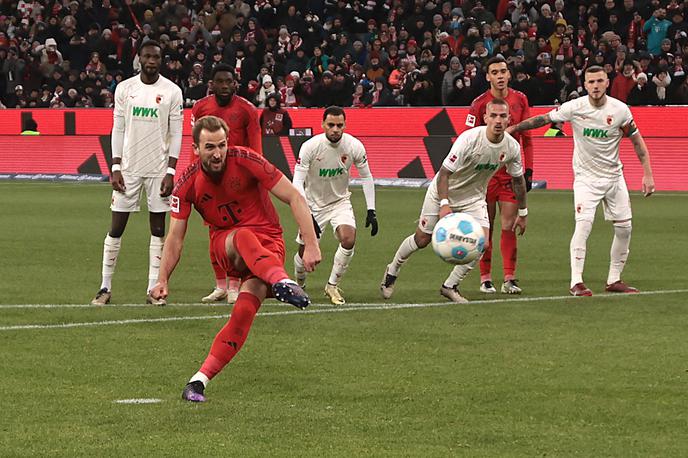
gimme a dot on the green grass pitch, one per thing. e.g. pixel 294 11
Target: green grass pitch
pixel 538 375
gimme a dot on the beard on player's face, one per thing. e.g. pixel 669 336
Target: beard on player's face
pixel 214 165
pixel 333 138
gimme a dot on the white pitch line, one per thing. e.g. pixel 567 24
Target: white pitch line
pixel 331 309
pixel 138 401
pixel 353 304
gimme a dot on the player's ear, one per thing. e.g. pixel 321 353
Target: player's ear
pixel 195 149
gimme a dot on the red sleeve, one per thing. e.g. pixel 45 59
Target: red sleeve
pixel 180 205
pixel 526 138
pixel 473 116
pixel 253 132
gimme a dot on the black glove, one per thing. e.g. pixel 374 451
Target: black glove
pixel 316 227
pixel 371 220
pixel 529 179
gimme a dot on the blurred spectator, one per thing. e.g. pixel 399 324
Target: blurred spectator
pixel 643 92
pixel 450 75
pixel 266 88
pixel 662 80
pixel 656 29
pixel 624 82
pixel 274 120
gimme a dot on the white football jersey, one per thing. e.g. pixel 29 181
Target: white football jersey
pixel 326 166
pixel 597 132
pixel 473 159
pixel 148 111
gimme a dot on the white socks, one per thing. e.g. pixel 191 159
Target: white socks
pixel 578 248
pixel 342 259
pixel 458 273
pixel 299 268
pixel 154 257
pixel 200 377
pixel 111 248
pixel 619 251
pixel 406 249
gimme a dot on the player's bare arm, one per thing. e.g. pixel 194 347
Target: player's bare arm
pixel 116 178
pixel 171 253
pixel 530 123
pixel 287 193
pixel 643 154
pixel 168 181
pixel 443 191
pixel 519 186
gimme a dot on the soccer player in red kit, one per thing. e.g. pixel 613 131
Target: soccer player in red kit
pixel 499 190
pixel 244 130
pixel 229 187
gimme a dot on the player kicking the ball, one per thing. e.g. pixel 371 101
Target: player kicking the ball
pixel 322 173
pixel 461 186
pixel 599 122
pixel 229 188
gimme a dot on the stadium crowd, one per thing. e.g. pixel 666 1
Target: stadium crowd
pixel 351 53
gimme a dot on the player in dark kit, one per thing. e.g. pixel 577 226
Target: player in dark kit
pixel 499 190
pixel 244 130
pixel 229 187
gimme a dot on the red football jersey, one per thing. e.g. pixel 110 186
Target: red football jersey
pixel 241 117
pixel 240 199
pixel 519 111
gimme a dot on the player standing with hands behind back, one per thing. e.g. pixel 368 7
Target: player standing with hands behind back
pixel 244 130
pixel 499 190
pixel 599 122
pixel 146 140
pixel 322 175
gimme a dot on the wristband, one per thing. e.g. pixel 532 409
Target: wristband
pixel 171 171
pixel 523 212
pixel 444 202
pixel 116 167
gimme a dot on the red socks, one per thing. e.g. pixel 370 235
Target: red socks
pixel 261 262
pixel 486 261
pixel 232 336
pixel 508 246
pixel 509 253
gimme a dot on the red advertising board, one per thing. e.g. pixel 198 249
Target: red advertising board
pixel 401 143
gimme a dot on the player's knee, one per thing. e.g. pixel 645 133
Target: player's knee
pixel 422 239
pixel 583 227
pixel 623 228
pixel 347 242
pixel 116 232
pixel 158 231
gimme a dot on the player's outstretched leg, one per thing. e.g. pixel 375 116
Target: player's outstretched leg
pixel 226 345
pixel 342 259
pixel 409 246
pixel 450 287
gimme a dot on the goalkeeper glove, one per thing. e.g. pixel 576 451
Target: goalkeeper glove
pixel 371 220
pixel 529 179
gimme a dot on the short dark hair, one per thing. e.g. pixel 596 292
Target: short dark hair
pixel 334 111
pixel 209 123
pixel 221 68
pixel 594 69
pixel 495 60
pixel 148 44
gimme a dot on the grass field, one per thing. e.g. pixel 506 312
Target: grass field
pixel 539 375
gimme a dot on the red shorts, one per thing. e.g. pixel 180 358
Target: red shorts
pixel 499 190
pixel 218 240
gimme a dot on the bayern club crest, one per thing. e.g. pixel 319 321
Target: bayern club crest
pixel 610 120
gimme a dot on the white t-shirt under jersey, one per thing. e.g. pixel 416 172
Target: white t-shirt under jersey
pixel 596 135
pixel 473 159
pixel 326 166
pixel 148 111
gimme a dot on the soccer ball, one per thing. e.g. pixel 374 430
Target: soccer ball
pixel 458 238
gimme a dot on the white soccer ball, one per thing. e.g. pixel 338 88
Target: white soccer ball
pixel 458 238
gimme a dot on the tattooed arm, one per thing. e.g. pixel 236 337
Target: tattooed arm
pixel 518 184
pixel 530 123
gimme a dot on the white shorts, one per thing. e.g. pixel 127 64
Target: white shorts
pixel 128 201
pixel 337 214
pixel 613 194
pixel 430 213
